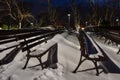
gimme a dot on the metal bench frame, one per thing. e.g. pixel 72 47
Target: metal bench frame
pixel 85 55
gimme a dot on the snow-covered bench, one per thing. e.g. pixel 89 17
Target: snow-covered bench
pixel 111 38
pixel 89 51
pixel 12 41
pixel 110 34
pixel 9 45
pixel 31 45
pixel 50 47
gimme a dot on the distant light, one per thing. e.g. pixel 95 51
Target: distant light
pixel 31 24
pixel 82 28
pixel 69 15
pixel 117 20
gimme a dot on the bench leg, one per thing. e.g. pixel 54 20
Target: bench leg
pixel 96 67
pixel 39 58
pixel 118 51
pixel 28 58
pixel 105 40
pixel 80 62
pixel 116 44
pixel 108 42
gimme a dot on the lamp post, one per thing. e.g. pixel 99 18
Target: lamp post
pixel 69 19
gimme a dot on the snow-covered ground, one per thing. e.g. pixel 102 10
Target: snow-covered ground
pixel 68 58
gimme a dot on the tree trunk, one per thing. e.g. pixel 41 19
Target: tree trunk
pixel 74 13
pixel 19 25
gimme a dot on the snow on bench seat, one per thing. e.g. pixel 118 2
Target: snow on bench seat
pixel 99 53
pixel 43 48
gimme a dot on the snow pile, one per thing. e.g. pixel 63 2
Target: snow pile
pixel 50 74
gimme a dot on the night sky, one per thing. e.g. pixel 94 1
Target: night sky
pixel 62 2
pixel 41 5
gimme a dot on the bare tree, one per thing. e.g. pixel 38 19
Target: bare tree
pixel 20 15
pixel 95 17
pixel 75 14
pixel 107 12
pixel 52 13
pixel 15 12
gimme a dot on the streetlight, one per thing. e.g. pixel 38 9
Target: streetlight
pixel 69 18
pixel 117 20
pixel 31 24
pixel 86 23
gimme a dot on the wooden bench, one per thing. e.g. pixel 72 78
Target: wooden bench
pixel 111 38
pixel 34 53
pixel 12 41
pixel 9 46
pixel 111 34
pixel 115 38
pixel 87 49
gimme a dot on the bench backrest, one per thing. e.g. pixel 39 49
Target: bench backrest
pixel 7 37
pixel 81 42
pixel 36 40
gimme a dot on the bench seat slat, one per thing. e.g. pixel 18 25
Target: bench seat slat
pixel 98 53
